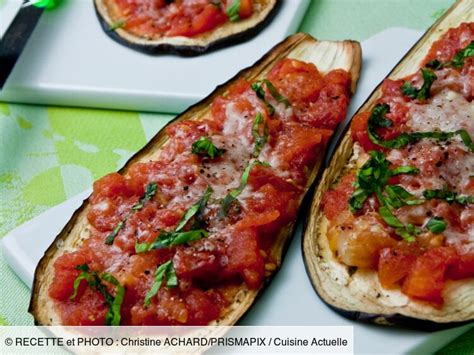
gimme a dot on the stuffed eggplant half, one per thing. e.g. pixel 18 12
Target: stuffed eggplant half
pixel 183 27
pixel 196 223
pixel 389 238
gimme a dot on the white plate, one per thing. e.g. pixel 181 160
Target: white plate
pixel 8 11
pixel 69 60
pixel 290 299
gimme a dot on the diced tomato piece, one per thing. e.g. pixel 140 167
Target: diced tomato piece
pixel 246 8
pixel 65 273
pixel 296 80
pixel 200 261
pixel 256 220
pixel 335 201
pixel 359 132
pixel 451 42
pixel 357 241
pixel 244 258
pixel 329 109
pixel 111 185
pixel 90 309
pixel 463 269
pixel 394 265
pixel 298 147
pixel 208 19
pixel 427 277
pixel 261 175
pixel 202 306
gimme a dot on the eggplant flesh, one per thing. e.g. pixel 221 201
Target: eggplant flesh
pixel 227 34
pixel 325 55
pixel 357 294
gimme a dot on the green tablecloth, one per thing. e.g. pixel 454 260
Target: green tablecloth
pixel 49 154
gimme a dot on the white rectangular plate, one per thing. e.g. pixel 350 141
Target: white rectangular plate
pixel 70 61
pixel 290 299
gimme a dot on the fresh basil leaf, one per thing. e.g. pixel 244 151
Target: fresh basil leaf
pixel 169 239
pixel 199 206
pixel 233 11
pixel 465 199
pixel 424 92
pixel 400 229
pixel 111 237
pixel 404 170
pixel 434 64
pixel 150 191
pixel 377 119
pixel 84 275
pixel 260 92
pixel 94 281
pixel 116 25
pixel 205 148
pixel 389 218
pixel 112 317
pixel 436 225
pixel 357 199
pixel 232 195
pixel 448 196
pixel 466 139
pixel 397 197
pixel 275 93
pixel 164 270
pixel 468 51
pixel 259 133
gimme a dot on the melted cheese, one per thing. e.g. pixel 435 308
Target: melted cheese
pixel 448 111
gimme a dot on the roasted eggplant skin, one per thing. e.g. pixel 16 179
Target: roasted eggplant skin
pixel 312 232
pixel 42 309
pixel 187 50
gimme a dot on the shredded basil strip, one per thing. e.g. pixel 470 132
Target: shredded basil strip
pixel 275 93
pixel 397 197
pixel 422 93
pixel 232 195
pixel 164 270
pixel 205 148
pixel 116 25
pixel 434 64
pixel 94 281
pixel 233 11
pixel 197 208
pixel 169 239
pixel 150 191
pixel 448 196
pixel 377 119
pixel 373 177
pixel 406 232
pixel 436 225
pixel 177 237
pixel 458 59
pixel 468 51
pixel 259 90
pixel 259 125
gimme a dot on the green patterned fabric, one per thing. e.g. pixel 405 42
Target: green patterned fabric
pixel 49 154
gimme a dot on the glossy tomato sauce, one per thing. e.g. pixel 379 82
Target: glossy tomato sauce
pixel 420 268
pixel 162 18
pixel 209 271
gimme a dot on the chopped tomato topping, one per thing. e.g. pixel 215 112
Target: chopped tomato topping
pixel 296 80
pixel 159 18
pixel 394 265
pixel 452 41
pixel 230 246
pixel 428 275
pixel 335 201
